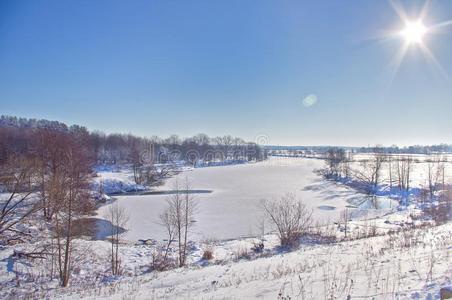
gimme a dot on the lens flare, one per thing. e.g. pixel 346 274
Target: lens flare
pixel 310 100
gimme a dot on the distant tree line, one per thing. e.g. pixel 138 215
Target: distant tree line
pixel 383 170
pixel 394 149
pixel 20 135
pixel 416 149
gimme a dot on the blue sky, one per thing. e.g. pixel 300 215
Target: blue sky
pixel 227 67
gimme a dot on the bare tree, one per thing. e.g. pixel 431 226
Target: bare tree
pixel 370 171
pixel 345 217
pixel 135 158
pixel 435 173
pixel 290 216
pixel 166 220
pixel 50 154
pixel 404 166
pixel 16 178
pixel 346 168
pixel 118 217
pixel 74 199
pixel 225 143
pixel 180 214
pixel 389 160
pixel 335 158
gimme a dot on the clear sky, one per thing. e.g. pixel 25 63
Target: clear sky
pixel 237 67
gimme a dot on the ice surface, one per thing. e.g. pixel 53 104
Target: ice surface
pixel 231 210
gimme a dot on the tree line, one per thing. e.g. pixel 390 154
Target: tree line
pixel 382 168
pixel 47 174
pixel 18 135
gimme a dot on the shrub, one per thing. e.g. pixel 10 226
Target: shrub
pixel 207 254
pixel 290 217
pixel 258 247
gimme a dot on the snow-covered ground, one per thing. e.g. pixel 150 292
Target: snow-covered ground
pixel 402 263
pixel 409 264
pixel 374 268
pixel 229 198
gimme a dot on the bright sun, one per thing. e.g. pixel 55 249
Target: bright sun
pixel 414 32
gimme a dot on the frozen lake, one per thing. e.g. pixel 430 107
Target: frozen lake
pixel 231 208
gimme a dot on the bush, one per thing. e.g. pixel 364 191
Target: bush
pixel 258 247
pixel 290 217
pixel 160 262
pixel 207 254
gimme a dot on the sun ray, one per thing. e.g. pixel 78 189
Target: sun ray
pixel 432 59
pixel 398 59
pixel 424 10
pixel 399 10
pixel 439 25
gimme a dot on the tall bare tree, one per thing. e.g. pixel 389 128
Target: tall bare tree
pixel 335 159
pixel 404 167
pixel 390 162
pixel 180 213
pixel 118 217
pixel 370 171
pixel 72 188
pixel 435 173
